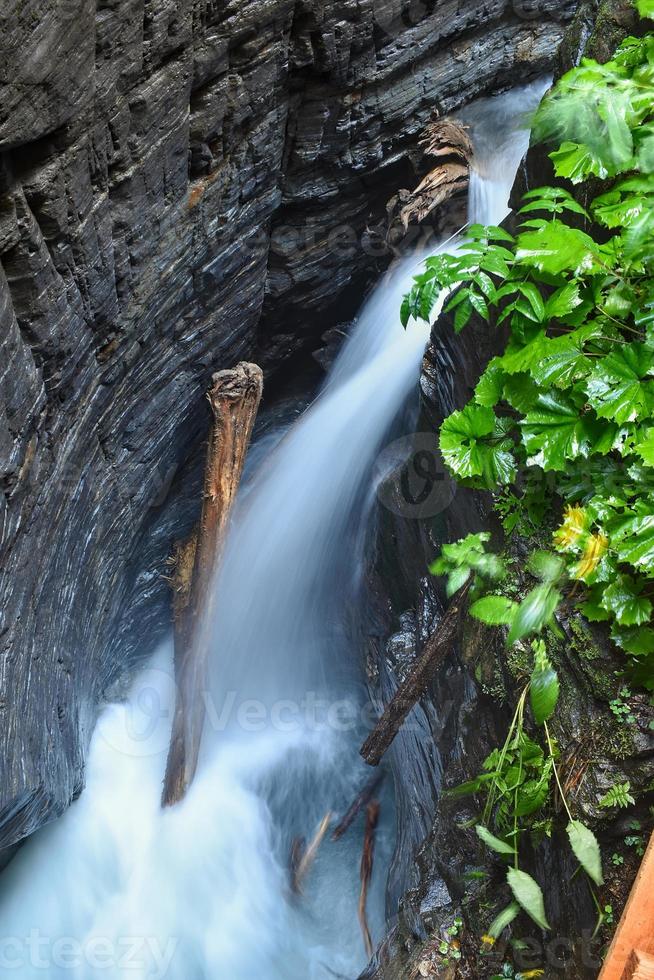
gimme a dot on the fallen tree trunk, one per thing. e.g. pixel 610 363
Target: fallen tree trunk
pixel 407 695
pixel 367 861
pixel 234 398
pixel 361 801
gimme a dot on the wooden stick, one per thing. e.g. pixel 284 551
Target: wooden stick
pixel 407 695
pixel 367 861
pixel 309 855
pixel 234 399
pixel 298 848
pixel 362 800
pixel 633 943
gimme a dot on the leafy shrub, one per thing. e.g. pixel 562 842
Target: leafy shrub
pixel 562 422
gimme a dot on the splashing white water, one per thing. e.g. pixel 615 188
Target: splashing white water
pixel 118 889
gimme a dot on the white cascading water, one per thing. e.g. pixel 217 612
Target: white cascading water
pixel 116 888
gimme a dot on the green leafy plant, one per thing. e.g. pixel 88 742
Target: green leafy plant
pixel 620 708
pixel 560 428
pixel 618 796
pixel 561 424
pixel 516 784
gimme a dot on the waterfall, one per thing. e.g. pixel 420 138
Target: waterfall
pixel 116 888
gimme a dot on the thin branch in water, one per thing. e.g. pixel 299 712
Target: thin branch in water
pixel 367 861
pixel 311 852
pixel 361 801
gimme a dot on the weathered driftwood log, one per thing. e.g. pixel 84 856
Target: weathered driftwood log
pixel 234 398
pixel 408 693
pixel 447 137
pixel 448 141
pixel 310 854
pixel 367 861
pixel 362 800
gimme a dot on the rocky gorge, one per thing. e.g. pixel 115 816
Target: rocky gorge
pixel 175 179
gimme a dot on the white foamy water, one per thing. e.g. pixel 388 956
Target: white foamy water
pixel 116 888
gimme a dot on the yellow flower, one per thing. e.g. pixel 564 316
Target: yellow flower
pixel 572 529
pixel 532 973
pixel 596 547
pixel 488 940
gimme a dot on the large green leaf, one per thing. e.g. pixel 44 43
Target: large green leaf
pixel 489 387
pixel 563 301
pixel 494 610
pixel 615 386
pixel 561 360
pixel 473 445
pixel 520 392
pixel 578 162
pixel 534 612
pixel 586 849
pixel 557 248
pixel 645 8
pixel 555 431
pixel 632 536
pixel 528 894
pixel 622 598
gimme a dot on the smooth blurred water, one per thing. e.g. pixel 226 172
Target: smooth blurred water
pixel 201 892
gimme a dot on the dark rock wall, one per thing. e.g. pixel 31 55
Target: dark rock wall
pixel 159 160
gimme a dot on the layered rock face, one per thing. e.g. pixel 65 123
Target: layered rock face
pixel 175 176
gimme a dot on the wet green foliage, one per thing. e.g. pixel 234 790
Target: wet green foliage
pixel 561 424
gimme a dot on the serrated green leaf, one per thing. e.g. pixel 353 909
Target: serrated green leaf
pixel 489 387
pixel 636 640
pixel 560 360
pixel 623 600
pixel 528 894
pixel 563 301
pixel 494 610
pixel 615 386
pixel 577 162
pixel 592 608
pixel 586 849
pixel 495 844
pixel 533 296
pixel 473 445
pixel 554 432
